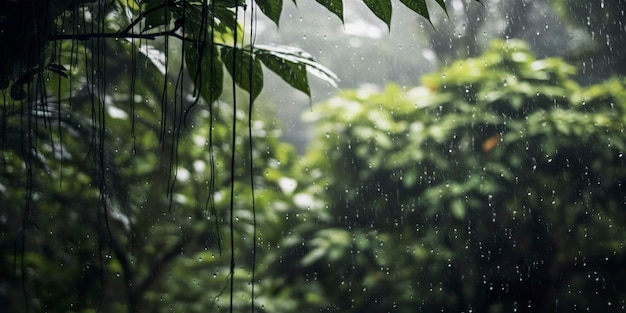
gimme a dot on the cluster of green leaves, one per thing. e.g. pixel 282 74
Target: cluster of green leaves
pixel 495 186
pixel 381 8
pixel 214 41
pixel 211 31
pixel 91 217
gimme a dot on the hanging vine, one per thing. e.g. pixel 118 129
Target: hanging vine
pixel 57 59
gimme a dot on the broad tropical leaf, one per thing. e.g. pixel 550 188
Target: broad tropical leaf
pixel 443 5
pixel 242 66
pixel 293 73
pixel 205 68
pixel 334 6
pixel 271 8
pixel 419 7
pixel 382 9
pixel 158 16
pixel 299 56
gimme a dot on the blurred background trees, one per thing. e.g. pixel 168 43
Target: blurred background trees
pixel 588 35
pixel 495 186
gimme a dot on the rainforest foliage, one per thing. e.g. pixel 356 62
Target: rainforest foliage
pixel 215 35
pixel 495 186
pixel 464 192
pixel 133 179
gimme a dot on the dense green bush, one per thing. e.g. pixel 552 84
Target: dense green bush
pixel 497 185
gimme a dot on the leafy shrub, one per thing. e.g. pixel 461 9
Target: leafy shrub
pixel 496 185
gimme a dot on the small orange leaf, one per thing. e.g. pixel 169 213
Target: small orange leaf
pixel 491 142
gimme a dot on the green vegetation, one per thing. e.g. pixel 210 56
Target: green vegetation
pixel 106 176
pixel 213 36
pixel 497 185
pixel 147 258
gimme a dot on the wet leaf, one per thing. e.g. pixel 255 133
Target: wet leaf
pixel 271 8
pixel 293 73
pixel 382 9
pixel 245 69
pixel 299 56
pixel 206 70
pixel 59 72
pixel 156 18
pixel 334 6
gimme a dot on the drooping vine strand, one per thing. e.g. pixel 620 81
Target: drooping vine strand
pixel 251 157
pixel 232 170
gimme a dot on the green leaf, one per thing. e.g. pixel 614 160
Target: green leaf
pixel 58 69
pixel 334 6
pixel 296 55
pixel 293 73
pixel 205 70
pixel 313 256
pixel 242 66
pixel 56 66
pixel 382 9
pixel 58 72
pixel 271 8
pixel 157 17
pixel 417 6
pixel 230 3
pixel 156 56
pixel 457 207
pixel 221 17
pixel 443 5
